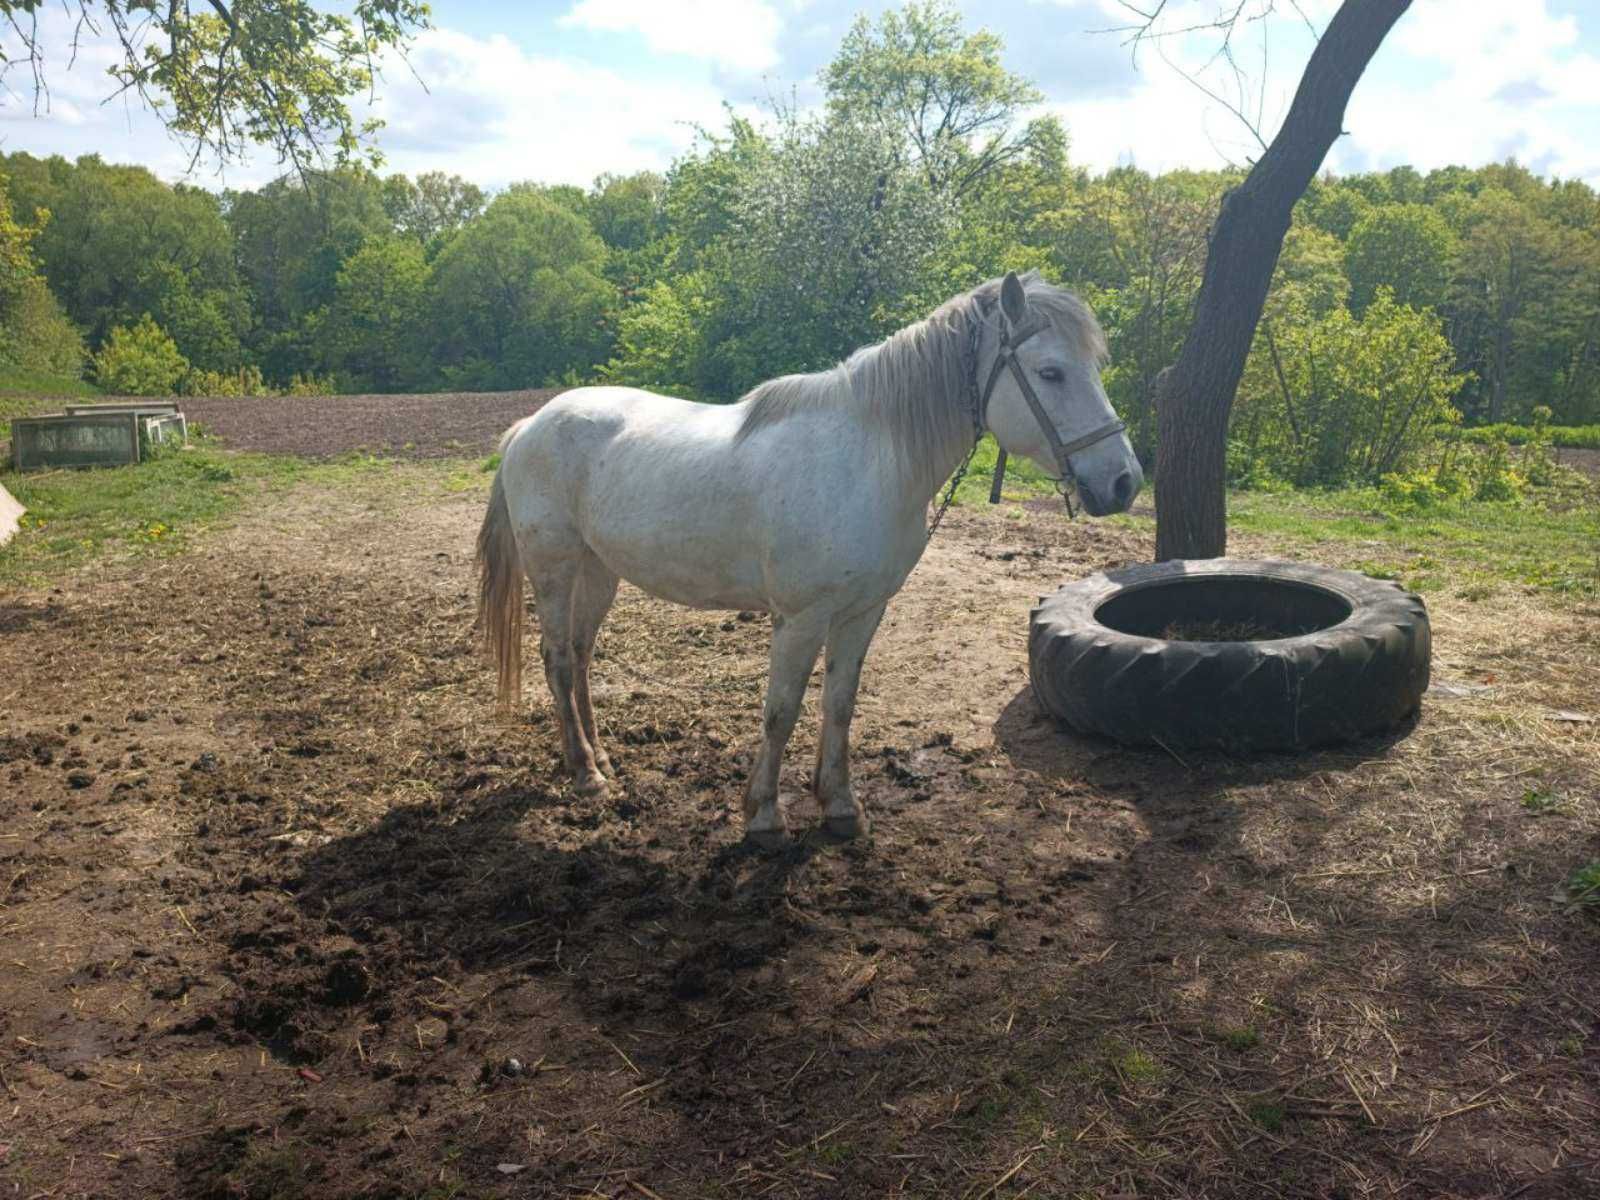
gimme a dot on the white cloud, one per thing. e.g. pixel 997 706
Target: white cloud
pixel 1453 83
pixel 737 35
pixel 1498 81
pixel 496 114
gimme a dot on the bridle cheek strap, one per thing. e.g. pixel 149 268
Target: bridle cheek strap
pixel 1061 451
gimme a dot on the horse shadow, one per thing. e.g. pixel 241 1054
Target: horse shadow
pixel 733 980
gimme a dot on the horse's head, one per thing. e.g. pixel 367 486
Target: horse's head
pixel 1043 340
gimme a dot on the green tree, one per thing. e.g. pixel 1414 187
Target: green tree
pixel 832 229
pixel 290 238
pixel 1334 206
pixel 371 334
pixel 227 75
pixel 1505 280
pixel 1407 248
pixel 121 243
pixel 944 90
pixel 518 297
pixel 432 206
pixel 661 337
pixel 140 360
pixel 1138 243
pixel 35 335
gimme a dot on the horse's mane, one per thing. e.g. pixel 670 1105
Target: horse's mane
pixel 915 382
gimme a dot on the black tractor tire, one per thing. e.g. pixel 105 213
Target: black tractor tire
pixel 1353 659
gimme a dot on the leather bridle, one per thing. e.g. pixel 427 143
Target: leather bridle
pixel 1006 356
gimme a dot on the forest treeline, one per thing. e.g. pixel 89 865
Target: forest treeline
pixel 1402 299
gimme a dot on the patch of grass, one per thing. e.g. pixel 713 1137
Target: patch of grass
pixel 159 506
pixel 1540 801
pixel 1467 546
pixel 1268 1115
pixel 29 393
pixel 1024 480
pixel 1138 1067
pixel 1583 888
pixel 1238 1037
pixel 835 1153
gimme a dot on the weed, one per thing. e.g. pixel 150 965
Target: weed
pixel 1583 888
pixel 1268 1115
pixel 1138 1067
pixel 1540 801
pixel 835 1153
pixel 1241 1037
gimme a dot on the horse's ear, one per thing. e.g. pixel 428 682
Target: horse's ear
pixel 1013 300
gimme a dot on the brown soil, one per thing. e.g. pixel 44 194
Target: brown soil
pixel 440 425
pixel 280 904
pixel 1587 461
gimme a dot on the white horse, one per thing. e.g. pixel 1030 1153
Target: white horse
pixel 806 499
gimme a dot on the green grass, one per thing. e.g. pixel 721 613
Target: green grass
pixel 29 393
pixel 1540 801
pixel 1467 548
pixel 160 506
pixel 1024 481
pixel 1583 888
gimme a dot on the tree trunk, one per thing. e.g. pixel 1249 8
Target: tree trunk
pixel 1194 395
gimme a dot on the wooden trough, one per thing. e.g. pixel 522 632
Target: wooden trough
pixel 95 435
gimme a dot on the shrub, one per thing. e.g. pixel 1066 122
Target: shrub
pixel 140 360
pixel 1423 488
pixel 1331 400
pixel 310 385
pixel 1491 475
pixel 246 381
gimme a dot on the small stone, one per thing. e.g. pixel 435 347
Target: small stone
pixel 747 615
pixel 512 1066
pixel 79 779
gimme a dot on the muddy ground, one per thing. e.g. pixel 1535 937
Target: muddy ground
pixel 285 913
pixel 436 425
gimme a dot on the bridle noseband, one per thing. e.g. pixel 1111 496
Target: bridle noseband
pixel 1006 356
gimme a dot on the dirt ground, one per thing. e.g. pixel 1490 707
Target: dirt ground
pixel 285 913
pixel 437 425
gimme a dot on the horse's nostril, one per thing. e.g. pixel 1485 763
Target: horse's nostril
pixel 1123 488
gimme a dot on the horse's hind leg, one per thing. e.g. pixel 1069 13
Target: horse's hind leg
pixel 596 589
pixel 848 639
pixel 555 580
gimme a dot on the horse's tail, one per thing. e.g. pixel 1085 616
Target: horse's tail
pixel 500 578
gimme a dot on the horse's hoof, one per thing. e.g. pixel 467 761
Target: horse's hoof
pixel 768 839
pixel 847 825
pixel 591 783
pixel 602 760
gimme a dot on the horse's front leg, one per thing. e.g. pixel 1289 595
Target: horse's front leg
pixel 848 639
pixel 795 642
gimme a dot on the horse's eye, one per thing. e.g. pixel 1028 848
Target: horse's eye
pixel 1051 374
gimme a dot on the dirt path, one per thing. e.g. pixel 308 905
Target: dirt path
pixel 284 913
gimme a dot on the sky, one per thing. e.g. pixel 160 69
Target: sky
pixel 559 91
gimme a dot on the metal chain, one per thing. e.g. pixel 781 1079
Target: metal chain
pixel 950 495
